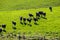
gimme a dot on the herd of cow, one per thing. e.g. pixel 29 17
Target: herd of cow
pixel 23 20
pixel 35 19
pixel 31 17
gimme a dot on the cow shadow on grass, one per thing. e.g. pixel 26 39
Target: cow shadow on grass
pixel 36 23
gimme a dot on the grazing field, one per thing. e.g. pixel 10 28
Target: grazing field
pixel 52 23
pixel 12 10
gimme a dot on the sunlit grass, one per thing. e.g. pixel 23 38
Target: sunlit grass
pixel 51 24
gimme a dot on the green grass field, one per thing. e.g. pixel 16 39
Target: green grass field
pixel 51 24
pixel 12 10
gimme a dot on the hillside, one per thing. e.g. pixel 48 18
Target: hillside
pixel 51 24
pixel 26 4
pixel 11 10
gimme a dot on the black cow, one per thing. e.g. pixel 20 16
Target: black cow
pixel 40 12
pixel 0 30
pixel 29 20
pixel 44 14
pixel 50 9
pixel 30 15
pixel 21 18
pixel 35 19
pixel 24 20
pixel 37 14
pixel 14 23
pixel 3 25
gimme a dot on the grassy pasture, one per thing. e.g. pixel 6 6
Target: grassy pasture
pixel 11 10
pixel 51 24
